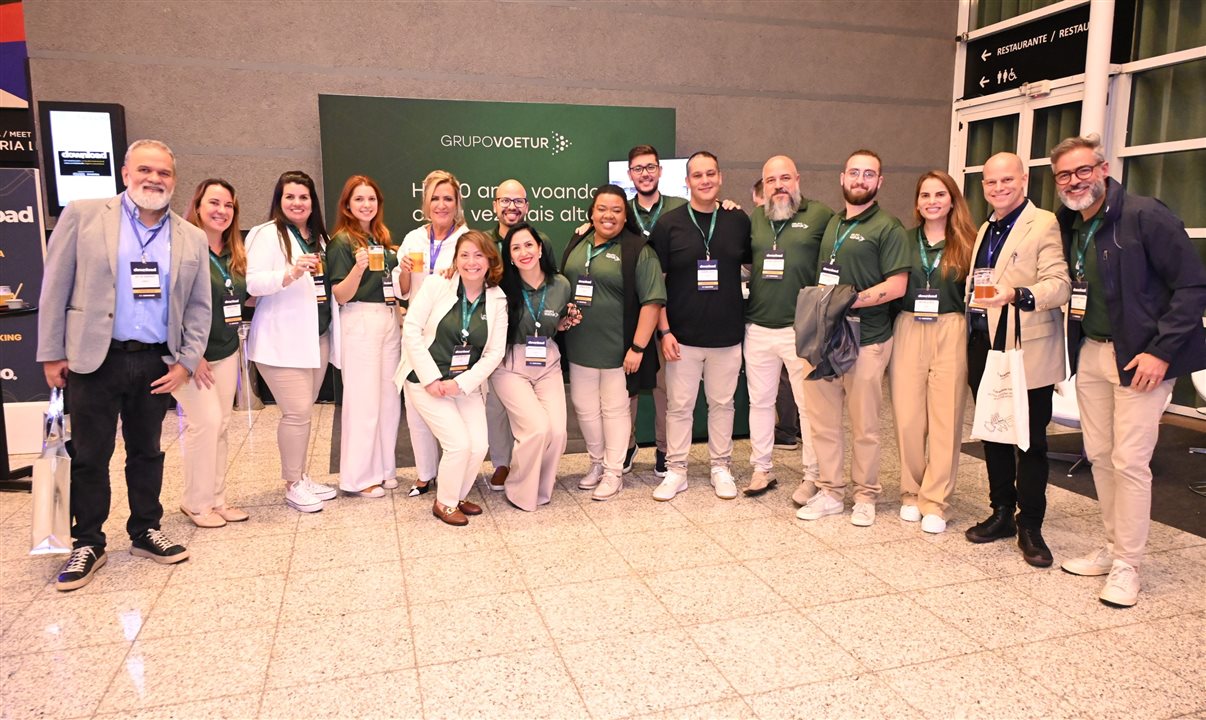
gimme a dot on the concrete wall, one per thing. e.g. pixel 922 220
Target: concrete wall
pixel 233 86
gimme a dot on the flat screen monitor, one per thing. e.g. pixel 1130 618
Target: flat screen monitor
pixel 82 149
pixel 673 182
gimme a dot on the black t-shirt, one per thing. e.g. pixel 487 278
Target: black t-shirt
pixel 703 318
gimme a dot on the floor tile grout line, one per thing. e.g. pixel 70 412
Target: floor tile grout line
pixel 277 625
pixel 410 614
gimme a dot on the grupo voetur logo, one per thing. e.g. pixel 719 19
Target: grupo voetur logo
pixel 555 142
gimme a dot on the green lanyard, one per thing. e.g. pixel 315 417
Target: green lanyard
pixel 926 266
pixel 300 241
pixel 536 314
pixel 841 239
pixel 707 238
pixel 590 256
pixel 467 311
pixel 225 275
pixel 654 213
pixel 1081 249
pixel 778 231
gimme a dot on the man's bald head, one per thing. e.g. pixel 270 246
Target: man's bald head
pixel 1004 183
pixel 780 188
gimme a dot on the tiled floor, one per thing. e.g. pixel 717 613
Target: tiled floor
pixel 697 608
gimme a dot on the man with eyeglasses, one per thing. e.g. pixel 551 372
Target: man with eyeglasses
pixel 1134 326
pixel 786 236
pixel 1018 256
pixel 865 247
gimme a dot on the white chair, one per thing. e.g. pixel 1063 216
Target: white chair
pixel 1065 411
pixel 1199 384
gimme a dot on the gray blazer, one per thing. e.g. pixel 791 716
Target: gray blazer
pixel 75 318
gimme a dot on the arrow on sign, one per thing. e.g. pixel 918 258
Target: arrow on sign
pixel 983 81
pixel 985 55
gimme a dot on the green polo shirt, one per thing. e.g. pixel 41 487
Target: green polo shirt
pixel 598 341
pixel 492 233
pixel 1096 322
pixel 772 303
pixel 448 336
pixel 950 289
pixel 223 338
pixel 641 221
pixel 556 293
pixel 875 249
pixel 341 258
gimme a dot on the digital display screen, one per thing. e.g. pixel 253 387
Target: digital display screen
pixel 82 147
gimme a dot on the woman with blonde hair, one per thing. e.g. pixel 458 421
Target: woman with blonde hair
pixel 928 369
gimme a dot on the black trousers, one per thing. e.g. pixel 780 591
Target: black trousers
pixel 121 386
pixel 1015 478
pixel 788 424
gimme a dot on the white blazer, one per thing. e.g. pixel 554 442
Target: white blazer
pixel 284 327
pixel 428 307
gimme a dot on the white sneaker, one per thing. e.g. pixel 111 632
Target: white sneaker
pixel 820 505
pixel 674 483
pixel 299 497
pixel 723 483
pixel 1122 587
pixel 863 514
pixel 591 479
pixel 933 524
pixel 390 483
pixel 910 513
pixel 320 491
pixel 608 487
pixel 1099 562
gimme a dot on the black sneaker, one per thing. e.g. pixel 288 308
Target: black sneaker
pixel 157 546
pixel 629 459
pixel 659 463
pixel 80 567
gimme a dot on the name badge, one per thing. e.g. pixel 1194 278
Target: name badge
pixel 1079 301
pixel 232 312
pixel 584 290
pixel 144 280
pixel 320 288
pixel 925 307
pixel 830 274
pixel 772 265
pixel 387 289
pixel 460 360
pixel 707 274
pixel 536 352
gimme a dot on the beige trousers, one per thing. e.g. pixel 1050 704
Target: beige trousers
pixel 534 398
pixel 928 375
pixel 860 391
pixel 718 368
pixel 498 429
pixel 206 421
pixel 371 346
pixel 600 400
pixel 295 390
pixel 767 351
pixel 1121 426
pixel 459 424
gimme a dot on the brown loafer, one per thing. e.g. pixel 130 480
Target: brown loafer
pixel 760 483
pixel 452 516
pixel 210 519
pixel 470 508
pixel 232 514
pixel 499 478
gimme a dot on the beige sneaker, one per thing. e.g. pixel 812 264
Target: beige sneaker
pixel 760 482
pixel 804 492
pixel 608 487
pixel 591 479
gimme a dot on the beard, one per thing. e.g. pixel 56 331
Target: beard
pixel 782 205
pixel 1096 191
pixel 150 200
pixel 859 197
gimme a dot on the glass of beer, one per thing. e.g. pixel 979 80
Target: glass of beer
pixel 416 261
pixel 319 258
pixel 983 287
pixel 376 258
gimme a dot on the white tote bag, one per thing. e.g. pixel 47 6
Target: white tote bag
pixel 1002 406
pixel 51 487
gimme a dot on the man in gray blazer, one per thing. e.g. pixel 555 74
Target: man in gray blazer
pixel 124 319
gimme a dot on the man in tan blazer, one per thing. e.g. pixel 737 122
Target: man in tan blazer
pixel 124 318
pixel 1020 246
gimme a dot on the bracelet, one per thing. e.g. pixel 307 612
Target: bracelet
pixel 636 348
pixel 661 334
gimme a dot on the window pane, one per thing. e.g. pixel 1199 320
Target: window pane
pixel 1166 104
pixel 987 12
pixel 1052 124
pixel 1041 189
pixel 1164 26
pixel 974 192
pixel 1176 178
pixel 986 138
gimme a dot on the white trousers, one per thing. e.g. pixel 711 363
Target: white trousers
pixel 459 424
pixel 767 351
pixel 718 368
pixel 371 347
pixel 600 400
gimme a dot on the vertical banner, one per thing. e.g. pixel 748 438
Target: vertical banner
pixel 559 152
pixel 21 253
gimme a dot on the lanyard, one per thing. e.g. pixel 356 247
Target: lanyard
pixel 1081 249
pixel 654 213
pixel 926 266
pixel 1001 235
pixel 842 239
pixel 216 263
pixel 707 238
pixel 778 231
pixel 590 256
pixel 527 300
pixel 300 240
pixel 432 251
pixel 138 228
pixel 467 311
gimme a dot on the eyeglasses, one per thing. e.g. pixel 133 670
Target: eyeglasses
pixel 867 175
pixel 1084 172
pixel 508 202
pixel 644 169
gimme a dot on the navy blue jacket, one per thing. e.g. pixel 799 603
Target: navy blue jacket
pixel 1154 283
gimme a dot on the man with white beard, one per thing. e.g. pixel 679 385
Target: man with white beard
pixel 786 235
pixel 124 319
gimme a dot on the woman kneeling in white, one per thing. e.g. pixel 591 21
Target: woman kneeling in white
pixel 449 348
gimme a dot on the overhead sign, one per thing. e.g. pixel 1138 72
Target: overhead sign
pixel 1044 49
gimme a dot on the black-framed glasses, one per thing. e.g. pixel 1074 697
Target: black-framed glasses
pixel 644 169
pixel 508 202
pixel 1084 172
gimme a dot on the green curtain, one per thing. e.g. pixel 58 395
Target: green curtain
pixel 1051 125
pixel 973 190
pixel 988 12
pixel 1167 105
pixel 1165 26
pixel 986 138
pixel 1176 178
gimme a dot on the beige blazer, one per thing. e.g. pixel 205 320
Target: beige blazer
pixel 1033 257
pixel 75 317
